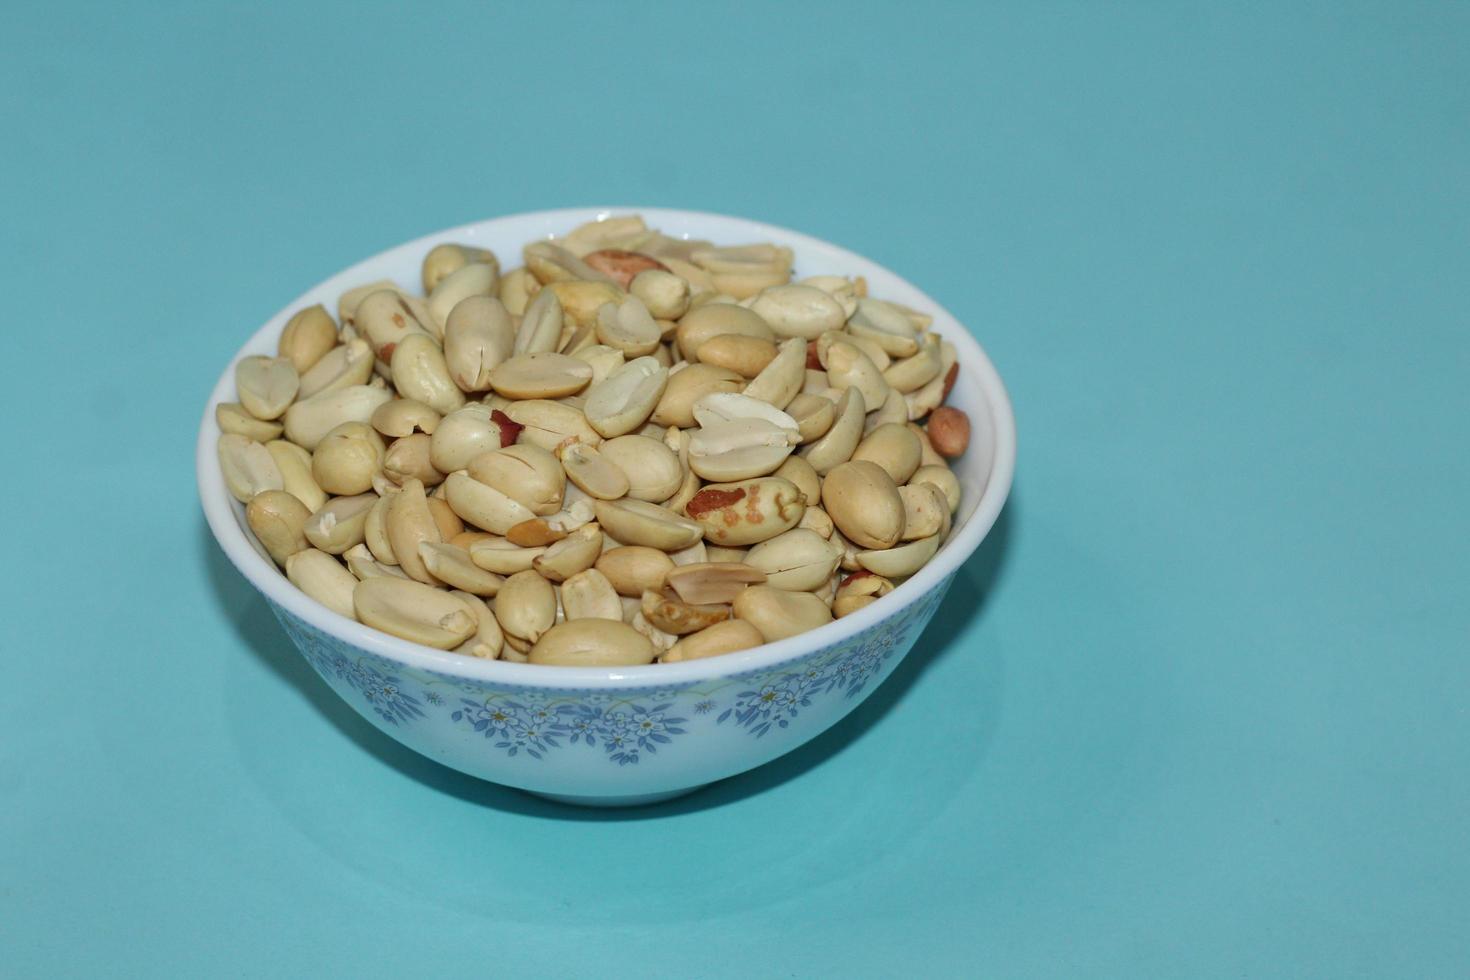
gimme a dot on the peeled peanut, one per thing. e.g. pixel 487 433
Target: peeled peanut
pixel 626 398
pixel 541 375
pixel 247 467
pixel 687 386
pixel 800 473
pixel 816 519
pixel 525 606
pixel 589 595
pixel 849 368
pixel 414 611
pixel 346 459
pixel 482 505
pixel 408 524
pixel 462 435
pixel 527 474
pixel 550 424
pixel 607 231
pixel 777 613
pixel 471 279
pixel 448 522
pixel 665 294
pixel 727 637
pixel 580 300
pixel 266 385
pixel 387 317
pixel 633 570
pixel 420 373
pixel 350 301
pixel 638 522
pixel 925 510
pixel 744 270
pixel 912 373
pixel 714 319
pixel 478 336
pixel 781 380
pixel 487 641
pixel 652 469
pixel 677 617
pixel 541 325
pixel 452 566
pixel 551 263
pixel 739 438
pixel 813 415
pixel 709 582
pixel 604 360
pixel 295 466
pixel 503 557
pixel 592 643
pixel 307 337
pixel 746 356
pixel 798 560
pixel 404 417
pixel 893 411
pixel 324 579
pixel 863 502
pixel 234 420
pixel 885 325
pixel 628 327
pixel 840 288
pixel 516 290
pixel 341 367
pixel 901 561
pixel 944 479
pixel 278 520
pixel 893 447
pixel 340 523
pixel 411 458
pixel 445 259
pixel 589 470
pixel 837 444
pixel 308 421
pixel 795 310
pixel 571 555
pixel 362 564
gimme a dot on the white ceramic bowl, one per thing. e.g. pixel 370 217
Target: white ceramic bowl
pixel 623 735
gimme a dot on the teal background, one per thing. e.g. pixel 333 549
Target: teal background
pixel 1198 708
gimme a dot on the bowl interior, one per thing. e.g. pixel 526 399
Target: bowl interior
pixel 984 471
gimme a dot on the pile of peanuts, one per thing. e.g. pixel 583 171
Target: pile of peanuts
pixel 631 448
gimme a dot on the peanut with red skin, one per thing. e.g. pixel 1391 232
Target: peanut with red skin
pixel 949 431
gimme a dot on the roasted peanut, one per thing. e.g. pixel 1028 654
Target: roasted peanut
pixel 863 501
pixel 279 520
pixel 949 431
pixel 618 416
pixel 592 643
pixel 727 637
pixel 747 512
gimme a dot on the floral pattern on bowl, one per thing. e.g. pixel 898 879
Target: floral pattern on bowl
pixel 624 728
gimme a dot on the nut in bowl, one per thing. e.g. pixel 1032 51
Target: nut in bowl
pixel 515 517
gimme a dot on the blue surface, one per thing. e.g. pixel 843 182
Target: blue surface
pixel 1199 707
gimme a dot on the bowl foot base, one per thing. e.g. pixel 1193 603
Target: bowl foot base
pixel 645 799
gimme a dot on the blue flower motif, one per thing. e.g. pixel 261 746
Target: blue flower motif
pixel 531 723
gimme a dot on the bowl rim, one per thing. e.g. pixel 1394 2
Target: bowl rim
pixel 273 584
